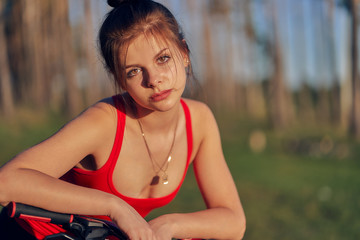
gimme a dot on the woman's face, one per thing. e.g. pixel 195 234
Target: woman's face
pixel 155 73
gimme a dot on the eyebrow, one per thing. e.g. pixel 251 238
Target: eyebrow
pixel 156 56
pixel 161 51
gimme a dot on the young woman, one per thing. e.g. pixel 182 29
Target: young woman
pixel 129 154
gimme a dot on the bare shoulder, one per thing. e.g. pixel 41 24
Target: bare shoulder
pixel 94 124
pixel 202 117
pixel 102 111
pixel 198 109
pixel 102 107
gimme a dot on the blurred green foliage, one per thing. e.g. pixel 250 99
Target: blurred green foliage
pixel 299 184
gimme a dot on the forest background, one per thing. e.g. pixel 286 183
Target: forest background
pixel 280 75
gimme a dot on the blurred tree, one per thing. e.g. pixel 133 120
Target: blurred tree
pixel 229 84
pixel 72 94
pixel 34 42
pixel 6 101
pixel 281 105
pixel 323 103
pixel 193 87
pixel 305 103
pixel 355 111
pixel 306 111
pixel 255 99
pixel 16 50
pixel 52 54
pixel 48 52
pixel 92 90
pixel 209 66
pixel 332 62
pixel 40 52
pixel 354 123
pixel 345 85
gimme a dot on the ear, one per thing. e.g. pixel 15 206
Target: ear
pixel 186 61
pixel 186 54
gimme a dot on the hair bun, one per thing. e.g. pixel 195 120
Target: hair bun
pixel 115 3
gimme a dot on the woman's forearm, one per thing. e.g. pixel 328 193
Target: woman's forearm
pixel 40 190
pixel 35 188
pixel 215 223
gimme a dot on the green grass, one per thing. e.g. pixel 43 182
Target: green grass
pixel 287 197
pixel 293 189
pixel 297 193
pixel 25 130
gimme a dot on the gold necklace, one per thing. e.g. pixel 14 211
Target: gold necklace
pixel 156 178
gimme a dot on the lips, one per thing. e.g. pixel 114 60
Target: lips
pixel 161 95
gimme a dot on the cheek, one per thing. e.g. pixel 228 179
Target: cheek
pixel 178 72
pixel 133 89
pixel 182 75
pixel 134 82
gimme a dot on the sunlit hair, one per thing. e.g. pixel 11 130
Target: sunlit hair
pixel 128 20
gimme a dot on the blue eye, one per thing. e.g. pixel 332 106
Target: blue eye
pixel 133 72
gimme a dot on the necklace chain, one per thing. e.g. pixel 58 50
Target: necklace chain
pixel 164 166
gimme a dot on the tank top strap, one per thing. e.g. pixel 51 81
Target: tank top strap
pixel 188 131
pixel 121 120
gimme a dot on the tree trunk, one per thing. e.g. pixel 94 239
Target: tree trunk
pixel 229 84
pixel 33 50
pixel 92 90
pixel 335 92
pixel 16 51
pixel 305 108
pixel 7 102
pixel 355 110
pixel 323 104
pixel 281 105
pixel 210 75
pixel 72 96
pixel 33 39
pixel 345 100
pixel 254 93
pixel 306 113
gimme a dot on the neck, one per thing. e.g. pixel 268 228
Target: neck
pixel 154 121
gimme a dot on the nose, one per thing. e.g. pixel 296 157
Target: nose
pixel 153 78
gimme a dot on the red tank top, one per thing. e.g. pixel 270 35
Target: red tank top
pixel 101 179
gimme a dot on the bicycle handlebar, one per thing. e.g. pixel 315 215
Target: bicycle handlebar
pixel 23 211
pixel 83 227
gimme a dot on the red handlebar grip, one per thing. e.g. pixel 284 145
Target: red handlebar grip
pixel 24 211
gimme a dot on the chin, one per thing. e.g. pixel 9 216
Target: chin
pixel 166 105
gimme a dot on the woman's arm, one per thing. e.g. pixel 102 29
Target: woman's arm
pixel 32 177
pixel 224 218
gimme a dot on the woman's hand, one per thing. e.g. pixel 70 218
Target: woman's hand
pixel 163 227
pixel 129 221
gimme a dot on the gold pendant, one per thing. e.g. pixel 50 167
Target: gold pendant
pixel 165 179
pixel 155 180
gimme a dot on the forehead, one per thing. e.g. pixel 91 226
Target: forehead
pixel 146 47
